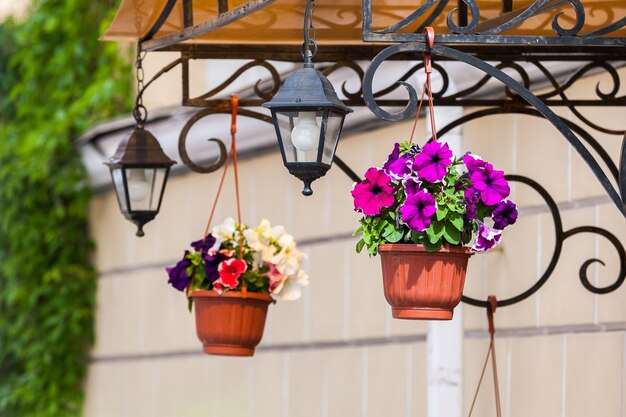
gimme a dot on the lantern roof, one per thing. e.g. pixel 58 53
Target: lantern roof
pixel 140 148
pixel 307 87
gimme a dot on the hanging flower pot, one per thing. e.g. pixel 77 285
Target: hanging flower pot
pixel 421 210
pixel 234 272
pixel 232 276
pixel 422 285
pixel 230 323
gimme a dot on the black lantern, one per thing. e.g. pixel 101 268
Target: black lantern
pixel 308 117
pixel 139 170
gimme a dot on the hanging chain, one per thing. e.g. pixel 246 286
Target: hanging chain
pixel 309 47
pixel 140 113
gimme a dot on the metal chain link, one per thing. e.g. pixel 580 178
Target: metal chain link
pixel 140 113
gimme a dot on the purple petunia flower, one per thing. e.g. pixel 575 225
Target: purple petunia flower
pixel 212 260
pixel 471 199
pixel 398 166
pixel 203 245
pixel 178 274
pixel 417 210
pixel 373 193
pixel 411 185
pixel 491 184
pixel 431 164
pixel 486 238
pixel 504 215
pixel 473 162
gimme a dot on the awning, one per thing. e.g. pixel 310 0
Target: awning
pixel 338 22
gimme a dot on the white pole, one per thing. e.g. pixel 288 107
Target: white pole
pixel 445 339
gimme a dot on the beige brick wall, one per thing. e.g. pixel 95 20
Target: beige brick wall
pixel 337 352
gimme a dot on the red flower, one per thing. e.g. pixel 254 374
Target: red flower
pixel 230 270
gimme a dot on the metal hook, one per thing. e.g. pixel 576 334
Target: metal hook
pixel 430 39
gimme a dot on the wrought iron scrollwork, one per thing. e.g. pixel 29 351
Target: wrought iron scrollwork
pixel 358 71
pixel 561 236
pixel 184 155
pixel 182 146
pixel 263 93
pixel 469 23
pixel 553 208
pixel 182 140
pixel 508 81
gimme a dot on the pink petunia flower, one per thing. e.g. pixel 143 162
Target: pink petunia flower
pixel 491 184
pixel 373 193
pixel 432 162
pixel 230 270
pixel 418 210
pixel 274 275
pixel 473 162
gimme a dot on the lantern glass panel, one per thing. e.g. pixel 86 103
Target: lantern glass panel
pixel 300 134
pixel 144 187
pixel 118 183
pixel 333 129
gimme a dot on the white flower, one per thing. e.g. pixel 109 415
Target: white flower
pixel 262 249
pixel 224 231
pixel 290 290
pixel 288 260
pixel 264 228
pixel 277 232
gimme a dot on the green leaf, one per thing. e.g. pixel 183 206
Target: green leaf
pixel 441 213
pixel 435 231
pixel 457 220
pixel 391 234
pixel 452 234
pixel 359 245
pixel 380 225
pixel 433 247
pixel 372 250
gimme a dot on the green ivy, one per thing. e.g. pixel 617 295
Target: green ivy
pixel 56 80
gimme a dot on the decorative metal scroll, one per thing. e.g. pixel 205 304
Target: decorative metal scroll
pixel 560 236
pixel 567 20
pixel 481 93
pixel 184 155
pixel 496 73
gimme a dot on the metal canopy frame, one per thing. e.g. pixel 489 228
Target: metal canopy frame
pixel 484 44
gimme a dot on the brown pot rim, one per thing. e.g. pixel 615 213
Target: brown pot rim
pixel 413 247
pixel 230 294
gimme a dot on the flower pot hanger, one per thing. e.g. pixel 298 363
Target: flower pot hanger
pixel 234 271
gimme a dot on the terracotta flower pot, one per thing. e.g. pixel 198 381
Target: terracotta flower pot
pixel 229 324
pixel 423 285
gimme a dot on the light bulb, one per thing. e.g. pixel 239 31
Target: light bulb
pixel 306 133
pixel 138 186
